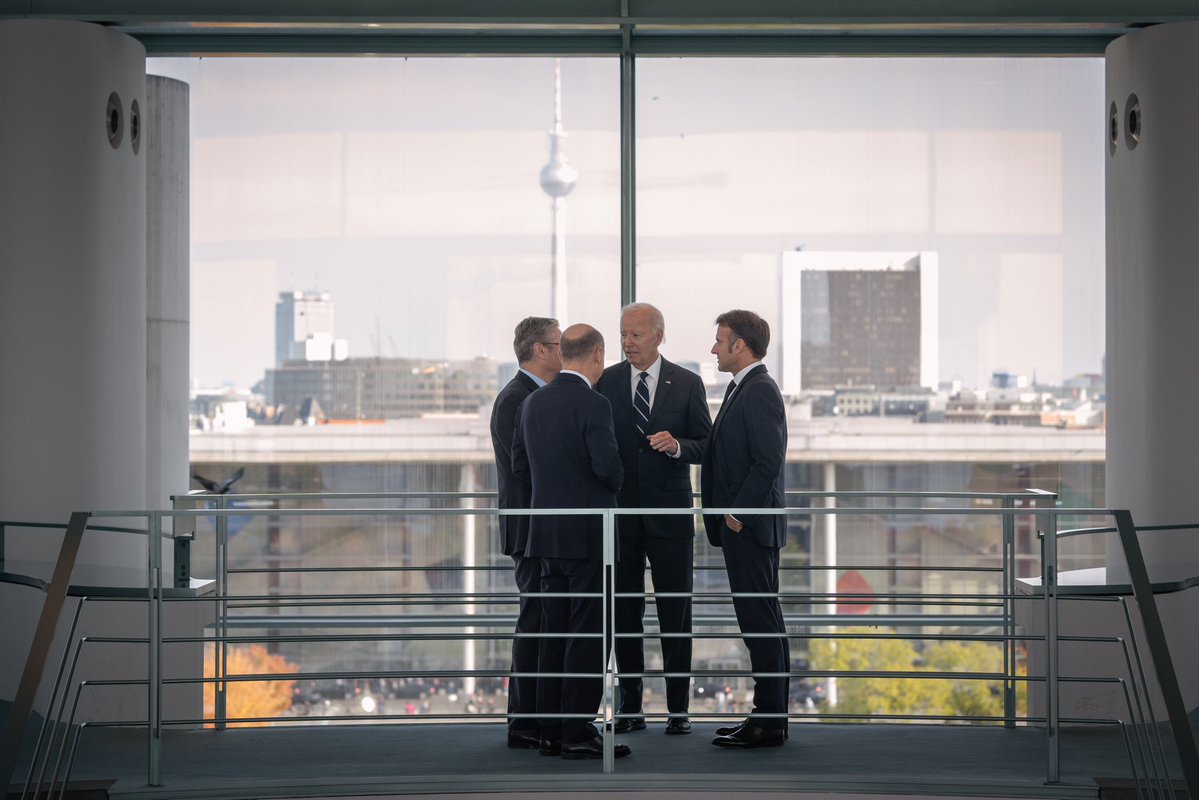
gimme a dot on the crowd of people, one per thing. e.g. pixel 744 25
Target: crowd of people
pixel 570 434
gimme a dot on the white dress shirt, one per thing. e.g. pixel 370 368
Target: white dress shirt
pixel 581 375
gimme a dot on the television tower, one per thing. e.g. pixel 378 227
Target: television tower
pixel 558 179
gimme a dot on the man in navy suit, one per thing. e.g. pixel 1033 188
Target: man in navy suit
pixel 662 422
pixel 564 449
pixel 535 342
pixel 743 468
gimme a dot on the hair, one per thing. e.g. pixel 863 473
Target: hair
pixel 748 327
pixel 656 321
pixel 529 331
pixel 581 345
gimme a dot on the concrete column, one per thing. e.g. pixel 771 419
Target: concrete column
pixel 1152 115
pixel 72 279
pixel 72 303
pixel 167 291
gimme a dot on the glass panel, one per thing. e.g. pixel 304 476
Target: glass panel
pixel 925 238
pixel 366 233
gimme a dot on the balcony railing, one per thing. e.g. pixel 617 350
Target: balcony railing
pixel 987 616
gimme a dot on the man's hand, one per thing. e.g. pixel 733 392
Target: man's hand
pixel 734 524
pixel 663 442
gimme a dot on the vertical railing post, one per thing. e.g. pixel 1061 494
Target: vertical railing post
pixel 1 547
pixel 154 665
pixel 1052 667
pixel 1009 612
pixel 609 640
pixel 220 690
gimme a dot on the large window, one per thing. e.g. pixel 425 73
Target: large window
pixel 925 237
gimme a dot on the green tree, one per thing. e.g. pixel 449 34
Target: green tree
pixel 911 695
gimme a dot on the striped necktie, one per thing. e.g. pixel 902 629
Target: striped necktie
pixel 641 403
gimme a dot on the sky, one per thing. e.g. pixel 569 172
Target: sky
pixel 408 189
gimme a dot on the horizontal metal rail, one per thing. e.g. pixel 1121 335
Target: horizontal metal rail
pixel 1046 517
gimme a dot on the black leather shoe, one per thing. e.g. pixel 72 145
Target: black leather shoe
pixel 523 740
pixel 729 730
pixel 678 726
pixel 751 735
pixel 592 748
pixel 630 724
pixel 550 747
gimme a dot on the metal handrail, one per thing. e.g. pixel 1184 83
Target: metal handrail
pixel 1048 517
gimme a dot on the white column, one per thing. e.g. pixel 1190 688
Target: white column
pixel 165 121
pixel 830 560
pixel 1153 291
pixel 469 560
pixel 72 303
pixel 72 279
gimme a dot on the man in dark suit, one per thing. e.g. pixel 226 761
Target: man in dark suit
pixel 743 468
pixel 564 450
pixel 662 422
pixel 535 342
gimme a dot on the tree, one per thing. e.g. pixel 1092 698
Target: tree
pixel 912 695
pixel 248 699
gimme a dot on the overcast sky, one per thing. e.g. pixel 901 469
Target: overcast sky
pixel 409 189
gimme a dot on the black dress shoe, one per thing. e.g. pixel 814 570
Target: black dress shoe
pixel 678 726
pixel 550 747
pixel 592 748
pixel 729 730
pixel 523 740
pixel 751 735
pixel 630 724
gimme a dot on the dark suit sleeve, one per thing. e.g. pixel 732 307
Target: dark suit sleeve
pixel 601 445
pixel 766 434
pixel 699 425
pixel 503 423
pixel 520 457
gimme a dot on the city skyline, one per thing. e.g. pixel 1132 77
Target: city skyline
pixel 413 197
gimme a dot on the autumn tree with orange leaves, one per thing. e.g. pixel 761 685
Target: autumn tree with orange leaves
pixel 250 699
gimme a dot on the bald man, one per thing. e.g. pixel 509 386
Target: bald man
pixel 564 449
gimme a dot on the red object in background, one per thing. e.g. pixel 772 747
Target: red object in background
pixel 853 582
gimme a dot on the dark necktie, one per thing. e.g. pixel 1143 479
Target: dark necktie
pixel 641 402
pixel 728 390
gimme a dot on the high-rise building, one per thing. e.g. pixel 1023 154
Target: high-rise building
pixel 858 319
pixel 384 388
pixel 300 317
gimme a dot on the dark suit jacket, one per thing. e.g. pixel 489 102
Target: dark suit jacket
pixel 744 462
pixel 565 450
pixel 653 479
pixel 514 531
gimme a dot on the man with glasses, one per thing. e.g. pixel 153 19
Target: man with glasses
pixel 660 411
pixel 535 342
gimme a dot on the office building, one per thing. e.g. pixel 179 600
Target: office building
pixel 384 388
pixel 304 328
pixel 864 320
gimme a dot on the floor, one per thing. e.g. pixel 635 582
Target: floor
pixel 466 759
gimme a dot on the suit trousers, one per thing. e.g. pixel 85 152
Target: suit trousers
pixel 753 568
pixel 522 691
pixel 671 563
pixel 580 652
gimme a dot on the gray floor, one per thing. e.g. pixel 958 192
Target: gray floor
pixel 470 758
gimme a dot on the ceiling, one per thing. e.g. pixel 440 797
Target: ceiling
pixel 594 27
